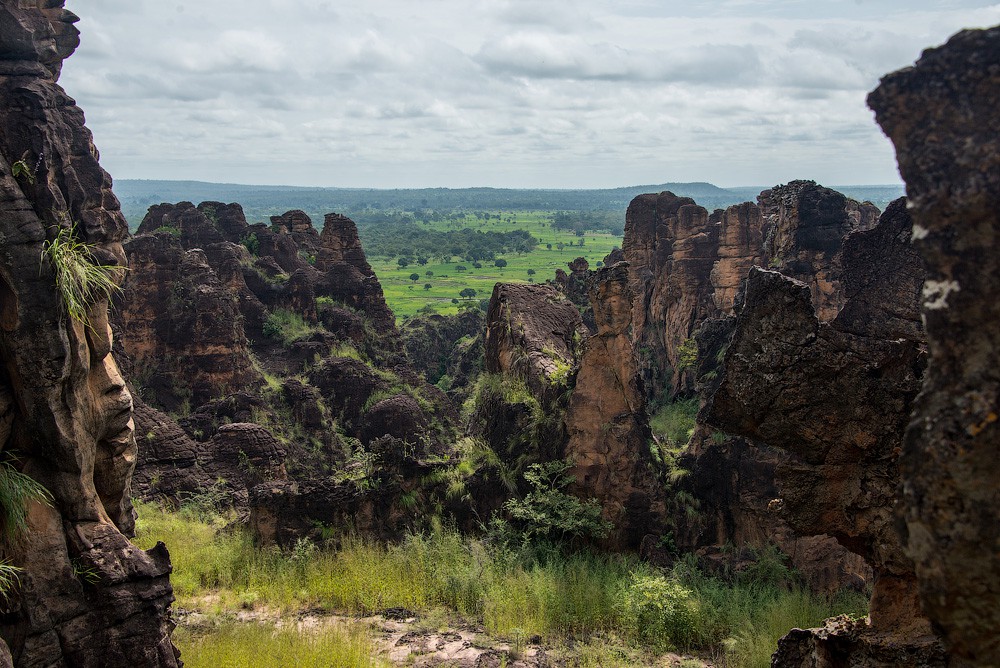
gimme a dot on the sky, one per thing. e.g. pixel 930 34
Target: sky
pixel 502 93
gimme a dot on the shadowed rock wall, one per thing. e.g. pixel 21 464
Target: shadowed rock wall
pixel 67 416
pixel 943 117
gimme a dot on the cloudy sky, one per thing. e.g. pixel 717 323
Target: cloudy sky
pixel 506 93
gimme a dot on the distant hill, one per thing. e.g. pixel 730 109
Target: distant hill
pixel 262 202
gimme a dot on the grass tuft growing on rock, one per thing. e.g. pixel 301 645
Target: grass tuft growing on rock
pixel 80 281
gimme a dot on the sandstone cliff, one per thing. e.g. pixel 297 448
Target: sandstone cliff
pixel 67 415
pixel 609 439
pixel 944 120
pixel 686 264
pixel 835 396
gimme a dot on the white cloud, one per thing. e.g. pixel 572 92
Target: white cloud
pixel 497 92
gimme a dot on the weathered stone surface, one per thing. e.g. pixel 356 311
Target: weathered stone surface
pixel 67 416
pixel 347 276
pixel 434 343
pixel 843 642
pixel 533 332
pixel 671 250
pixel 804 225
pixel 836 397
pixel 943 117
pixel 606 420
pixel 181 326
pixel 686 266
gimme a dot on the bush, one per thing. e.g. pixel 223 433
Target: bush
pixel 287 326
pixel 547 512
pixel 659 612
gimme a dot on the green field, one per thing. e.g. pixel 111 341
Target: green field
pixel 405 296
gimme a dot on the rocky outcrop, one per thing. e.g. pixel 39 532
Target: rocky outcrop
pixel 181 325
pixel 439 346
pixel 347 276
pixel 836 396
pixel 608 433
pixel 686 265
pixel 943 117
pixel 67 415
pixel 533 333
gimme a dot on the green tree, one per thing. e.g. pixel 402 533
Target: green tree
pixel 547 512
pixel 427 286
pixel 468 293
pixel 414 277
pixel 403 262
pixel 501 263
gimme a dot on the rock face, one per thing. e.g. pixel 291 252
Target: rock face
pixel 686 265
pixel 608 433
pixel 532 332
pixel 67 415
pixel 447 350
pixel 836 396
pixel 943 118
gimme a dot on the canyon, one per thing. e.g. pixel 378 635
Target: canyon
pixel 842 358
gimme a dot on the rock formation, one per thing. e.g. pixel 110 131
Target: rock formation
pixel 532 332
pixel 686 264
pixel 836 396
pixel 943 118
pixel 447 350
pixel 609 436
pixel 86 595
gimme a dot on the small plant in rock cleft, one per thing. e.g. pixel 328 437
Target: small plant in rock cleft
pixel 81 281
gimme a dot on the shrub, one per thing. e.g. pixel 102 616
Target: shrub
pixel 251 243
pixel 675 421
pixel 287 326
pixel 547 512
pixel 659 612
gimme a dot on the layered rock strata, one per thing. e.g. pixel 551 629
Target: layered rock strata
pixel 943 117
pixel 86 596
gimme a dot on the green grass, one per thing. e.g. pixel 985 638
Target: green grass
pixel 406 297
pixel 242 645
pixel 287 326
pixel 81 281
pixel 675 421
pixel 561 598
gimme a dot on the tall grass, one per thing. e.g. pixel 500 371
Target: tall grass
pixel 555 596
pixel 235 645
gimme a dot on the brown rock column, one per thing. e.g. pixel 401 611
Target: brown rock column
pixel 608 432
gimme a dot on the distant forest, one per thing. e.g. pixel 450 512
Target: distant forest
pixel 595 209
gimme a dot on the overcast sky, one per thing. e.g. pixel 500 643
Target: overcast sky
pixel 506 93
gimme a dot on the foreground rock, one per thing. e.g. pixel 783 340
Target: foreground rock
pixel 835 397
pixel 86 596
pixel 943 116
